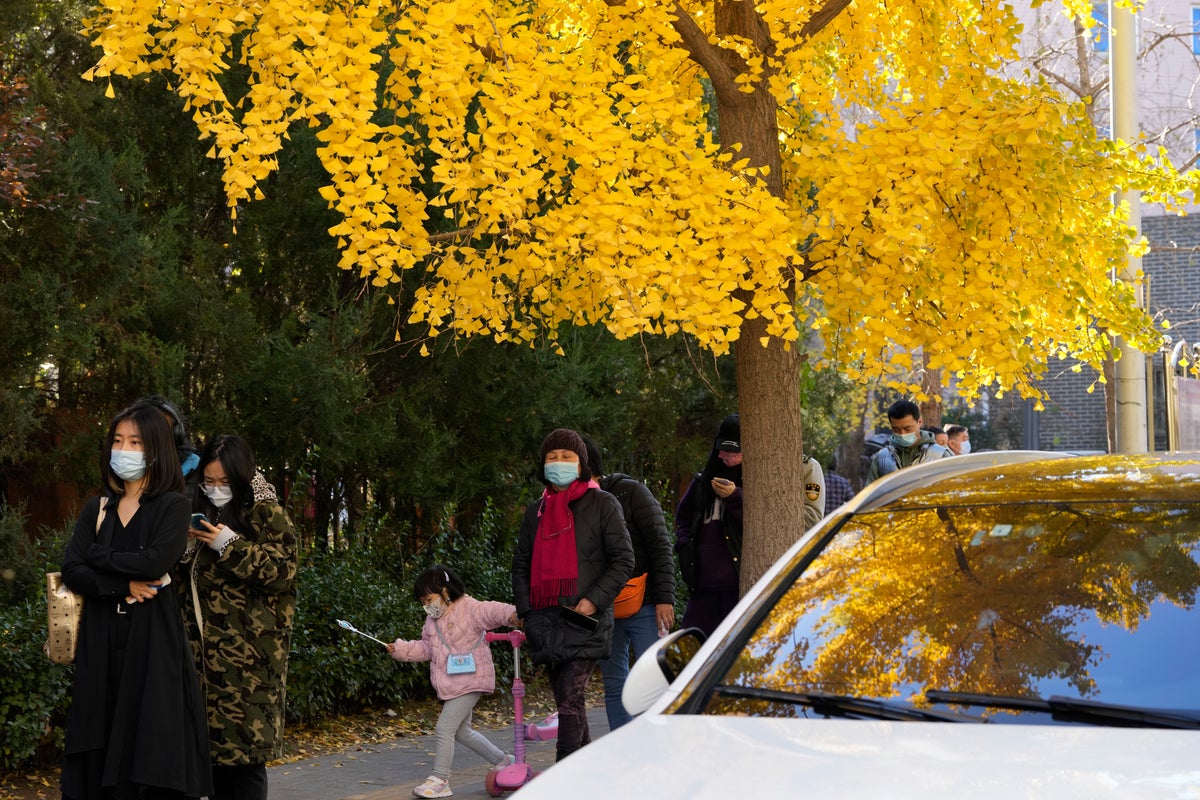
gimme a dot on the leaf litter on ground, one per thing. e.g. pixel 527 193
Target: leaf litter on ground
pixel 344 732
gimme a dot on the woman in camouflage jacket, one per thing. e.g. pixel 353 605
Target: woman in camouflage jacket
pixel 239 597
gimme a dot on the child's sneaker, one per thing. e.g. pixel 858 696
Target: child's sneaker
pixel 433 787
pixel 508 760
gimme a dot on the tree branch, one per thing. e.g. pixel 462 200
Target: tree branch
pixel 709 57
pixel 822 17
pixel 1075 88
pixel 701 50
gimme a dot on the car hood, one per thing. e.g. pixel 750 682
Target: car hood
pixel 706 757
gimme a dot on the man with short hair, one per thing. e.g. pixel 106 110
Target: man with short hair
pixel 959 440
pixel 909 443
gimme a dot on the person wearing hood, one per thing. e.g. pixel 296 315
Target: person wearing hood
pixel 708 527
pixel 909 443
pixel 708 532
pixel 645 609
pixel 572 557
pixel 239 599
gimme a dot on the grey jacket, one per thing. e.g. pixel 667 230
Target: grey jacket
pixel 892 458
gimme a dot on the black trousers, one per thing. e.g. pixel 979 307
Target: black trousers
pixel 568 681
pixel 240 782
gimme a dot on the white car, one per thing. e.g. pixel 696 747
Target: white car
pixel 997 625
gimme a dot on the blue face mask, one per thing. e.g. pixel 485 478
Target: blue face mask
pixel 904 439
pixel 561 473
pixel 128 465
pixel 964 448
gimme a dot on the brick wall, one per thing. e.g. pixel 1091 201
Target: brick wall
pixel 1075 419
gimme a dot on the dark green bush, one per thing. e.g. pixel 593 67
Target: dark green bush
pixel 333 671
pixel 21 573
pixel 34 694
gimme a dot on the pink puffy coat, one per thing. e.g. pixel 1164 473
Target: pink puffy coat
pixel 462 626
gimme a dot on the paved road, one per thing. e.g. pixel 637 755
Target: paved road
pixel 390 770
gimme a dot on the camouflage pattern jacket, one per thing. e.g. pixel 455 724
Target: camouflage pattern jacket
pixel 247 597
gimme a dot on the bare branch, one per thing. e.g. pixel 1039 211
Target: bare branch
pixel 1075 88
pixel 1187 165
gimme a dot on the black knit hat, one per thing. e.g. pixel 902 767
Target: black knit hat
pixel 564 439
pixel 729 435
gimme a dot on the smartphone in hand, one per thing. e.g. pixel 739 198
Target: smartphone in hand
pixel 579 618
pixel 197 519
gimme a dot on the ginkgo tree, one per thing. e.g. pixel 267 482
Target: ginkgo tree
pixel 541 163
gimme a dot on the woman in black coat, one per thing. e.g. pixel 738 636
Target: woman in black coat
pixel 136 725
pixel 573 556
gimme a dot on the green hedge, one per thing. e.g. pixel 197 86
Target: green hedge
pixel 331 670
pixel 34 694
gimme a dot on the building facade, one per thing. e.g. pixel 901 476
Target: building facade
pixel 1076 59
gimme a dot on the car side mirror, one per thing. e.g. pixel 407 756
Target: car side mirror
pixel 656 668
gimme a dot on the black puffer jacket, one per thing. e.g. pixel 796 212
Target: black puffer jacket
pixel 652 545
pixel 605 557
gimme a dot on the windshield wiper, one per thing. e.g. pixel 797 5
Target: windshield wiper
pixel 1072 709
pixel 842 705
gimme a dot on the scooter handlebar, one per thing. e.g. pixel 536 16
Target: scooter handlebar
pixel 514 637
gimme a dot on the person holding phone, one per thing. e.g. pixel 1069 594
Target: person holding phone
pixel 573 556
pixel 136 724
pixel 239 598
pixel 708 531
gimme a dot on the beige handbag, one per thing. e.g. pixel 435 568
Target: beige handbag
pixel 64 610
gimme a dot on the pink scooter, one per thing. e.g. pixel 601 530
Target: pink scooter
pixel 515 775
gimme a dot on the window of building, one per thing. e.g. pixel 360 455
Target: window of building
pixel 1196 29
pixel 1100 28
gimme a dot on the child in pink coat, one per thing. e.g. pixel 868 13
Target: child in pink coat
pixel 460 666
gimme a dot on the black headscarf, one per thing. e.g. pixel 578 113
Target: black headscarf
pixel 730 431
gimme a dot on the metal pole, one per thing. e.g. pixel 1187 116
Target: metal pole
pixel 1170 373
pixel 1130 389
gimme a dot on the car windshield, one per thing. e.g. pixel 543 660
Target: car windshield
pixel 1091 600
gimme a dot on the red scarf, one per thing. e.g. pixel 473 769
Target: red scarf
pixel 554 571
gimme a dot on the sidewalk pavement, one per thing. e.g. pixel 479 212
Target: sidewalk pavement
pixel 390 770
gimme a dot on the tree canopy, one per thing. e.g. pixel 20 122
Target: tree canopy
pixel 538 164
pixel 124 280
pixel 543 163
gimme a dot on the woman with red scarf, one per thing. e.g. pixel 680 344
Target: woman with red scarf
pixel 573 556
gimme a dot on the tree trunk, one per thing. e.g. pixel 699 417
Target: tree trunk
pixel 931 384
pixel 768 378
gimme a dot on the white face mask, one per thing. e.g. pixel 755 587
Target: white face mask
pixel 964 448
pixel 128 465
pixel 219 496
pixel 435 609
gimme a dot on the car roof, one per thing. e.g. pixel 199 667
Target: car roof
pixel 1015 475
